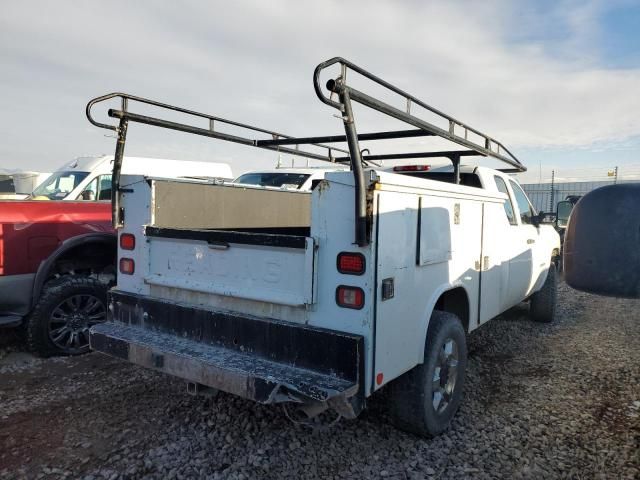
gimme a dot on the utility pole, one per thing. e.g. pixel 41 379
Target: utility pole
pixel 615 176
pixel 540 171
pixel 551 198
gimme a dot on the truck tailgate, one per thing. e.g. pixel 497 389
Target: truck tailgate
pixel 256 266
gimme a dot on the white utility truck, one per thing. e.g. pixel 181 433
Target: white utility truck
pixel 317 299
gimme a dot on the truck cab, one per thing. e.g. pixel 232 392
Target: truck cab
pixel 521 243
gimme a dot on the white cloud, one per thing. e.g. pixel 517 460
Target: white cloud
pixel 252 61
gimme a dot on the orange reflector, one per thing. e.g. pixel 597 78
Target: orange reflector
pixel 350 297
pixel 127 241
pixel 351 263
pixel 411 168
pixel 379 378
pixel 127 266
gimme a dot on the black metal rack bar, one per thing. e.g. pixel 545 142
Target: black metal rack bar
pixel 157 122
pixel 402 156
pixel 343 138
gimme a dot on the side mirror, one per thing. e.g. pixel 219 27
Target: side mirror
pixel 563 210
pixel 601 253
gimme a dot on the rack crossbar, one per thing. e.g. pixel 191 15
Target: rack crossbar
pixel 400 156
pixel 343 138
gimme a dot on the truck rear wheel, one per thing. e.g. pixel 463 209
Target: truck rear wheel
pixel 543 303
pixel 59 323
pixel 425 399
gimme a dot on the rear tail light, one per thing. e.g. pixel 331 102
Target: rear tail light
pixel 411 168
pixel 351 263
pixel 350 297
pixel 127 266
pixel 127 241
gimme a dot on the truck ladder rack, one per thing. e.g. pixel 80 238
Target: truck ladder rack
pixel 485 147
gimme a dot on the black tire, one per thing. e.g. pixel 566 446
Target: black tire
pixel 543 303
pixel 74 302
pixel 412 398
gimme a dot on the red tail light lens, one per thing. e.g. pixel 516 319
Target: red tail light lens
pixel 350 297
pixel 411 168
pixel 127 266
pixel 127 241
pixel 351 263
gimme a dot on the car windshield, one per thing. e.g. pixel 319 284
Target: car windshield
pixel 273 179
pixel 58 185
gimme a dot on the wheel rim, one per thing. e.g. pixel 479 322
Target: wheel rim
pixel 445 375
pixel 71 319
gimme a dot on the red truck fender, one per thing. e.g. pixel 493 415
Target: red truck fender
pixel 108 240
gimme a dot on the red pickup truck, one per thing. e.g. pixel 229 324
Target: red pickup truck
pixel 57 260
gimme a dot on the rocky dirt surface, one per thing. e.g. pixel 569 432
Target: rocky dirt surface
pixel 541 401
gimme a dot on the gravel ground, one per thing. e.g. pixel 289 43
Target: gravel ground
pixel 541 401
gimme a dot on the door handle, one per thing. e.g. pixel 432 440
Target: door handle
pixel 530 241
pixel 218 245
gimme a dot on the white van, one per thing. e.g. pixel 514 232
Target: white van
pixel 89 178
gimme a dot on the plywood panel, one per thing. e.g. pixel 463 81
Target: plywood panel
pixel 189 205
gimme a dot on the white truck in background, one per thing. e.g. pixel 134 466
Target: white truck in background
pixel 317 299
pixel 89 178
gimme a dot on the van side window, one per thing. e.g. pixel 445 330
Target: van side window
pixel 508 206
pixel 526 210
pixel 98 189
pixel 104 187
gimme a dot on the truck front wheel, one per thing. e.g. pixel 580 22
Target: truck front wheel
pixel 543 303
pixel 425 399
pixel 59 323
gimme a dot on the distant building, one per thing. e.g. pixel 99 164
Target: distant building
pixel 545 196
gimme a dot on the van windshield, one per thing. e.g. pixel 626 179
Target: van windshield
pixel 58 185
pixel 273 179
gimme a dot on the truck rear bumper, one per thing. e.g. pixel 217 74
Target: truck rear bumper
pixel 265 360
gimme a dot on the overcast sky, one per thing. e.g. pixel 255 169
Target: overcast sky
pixel 558 82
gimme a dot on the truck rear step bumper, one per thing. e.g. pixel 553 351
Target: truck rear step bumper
pixel 265 360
